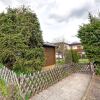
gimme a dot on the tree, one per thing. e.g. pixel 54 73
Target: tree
pixel 71 56
pixel 68 57
pixel 61 46
pixel 89 35
pixel 75 56
pixel 21 40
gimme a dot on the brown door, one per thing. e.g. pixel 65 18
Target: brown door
pixel 49 56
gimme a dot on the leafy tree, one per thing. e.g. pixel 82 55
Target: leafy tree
pixel 21 40
pixel 89 35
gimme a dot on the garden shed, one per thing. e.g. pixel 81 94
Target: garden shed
pixel 50 58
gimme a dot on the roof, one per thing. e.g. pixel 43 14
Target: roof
pixel 49 44
pixel 70 44
pixel 61 43
pixel 75 43
pixel 55 44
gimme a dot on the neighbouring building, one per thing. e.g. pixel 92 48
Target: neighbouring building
pixel 57 50
pixel 77 47
pixel 62 47
pixel 50 54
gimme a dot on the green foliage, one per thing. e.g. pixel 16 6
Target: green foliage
pixel 21 40
pixel 1 65
pixel 13 92
pixel 71 56
pixel 60 61
pixel 27 97
pixel 10 92
pixel 98 70
pixel 3 88
pixel 68 56
pixel 75 56
pixel 89 35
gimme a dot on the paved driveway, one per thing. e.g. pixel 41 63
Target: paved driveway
pixel 72 87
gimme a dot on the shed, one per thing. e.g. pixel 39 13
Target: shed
pixel 50 55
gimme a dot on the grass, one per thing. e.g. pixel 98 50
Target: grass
pixel 60 61
pixel 84 61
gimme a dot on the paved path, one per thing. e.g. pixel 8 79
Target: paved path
pixel 94 90
pixel 71 88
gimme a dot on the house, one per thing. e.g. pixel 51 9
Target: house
pixel 50 50
pixel 57 50
pixel 77 47
pixel 62 47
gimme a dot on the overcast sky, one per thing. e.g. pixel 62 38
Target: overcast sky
pixel 59 19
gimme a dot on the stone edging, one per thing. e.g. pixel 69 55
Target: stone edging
pixel 88 87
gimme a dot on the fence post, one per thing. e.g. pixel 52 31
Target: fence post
pixel 92 68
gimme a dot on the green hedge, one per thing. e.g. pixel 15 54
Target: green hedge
pixel 98 70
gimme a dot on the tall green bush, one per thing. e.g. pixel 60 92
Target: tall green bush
pixel 68 57
pixel 71 56
pixel 89 35
pixel 75 56
pixel 21 43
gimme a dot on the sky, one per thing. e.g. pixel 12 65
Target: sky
pixel 59 19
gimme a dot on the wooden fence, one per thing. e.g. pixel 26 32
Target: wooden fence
pixel 34 83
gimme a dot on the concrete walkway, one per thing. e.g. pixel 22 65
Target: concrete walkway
pixel 94 89
pixel 72 87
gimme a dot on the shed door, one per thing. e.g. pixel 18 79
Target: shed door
pixel 49 56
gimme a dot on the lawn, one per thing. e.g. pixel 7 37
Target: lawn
pixel 84 61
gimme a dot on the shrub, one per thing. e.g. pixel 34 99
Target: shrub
pixel 13 93
pixel 1 65
pixel 3 88
pixel 98 70
pixel 71 56
pixel 75 56
pixel 21 40
pixel 89 35
pixel 60 61
pixel 68 56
